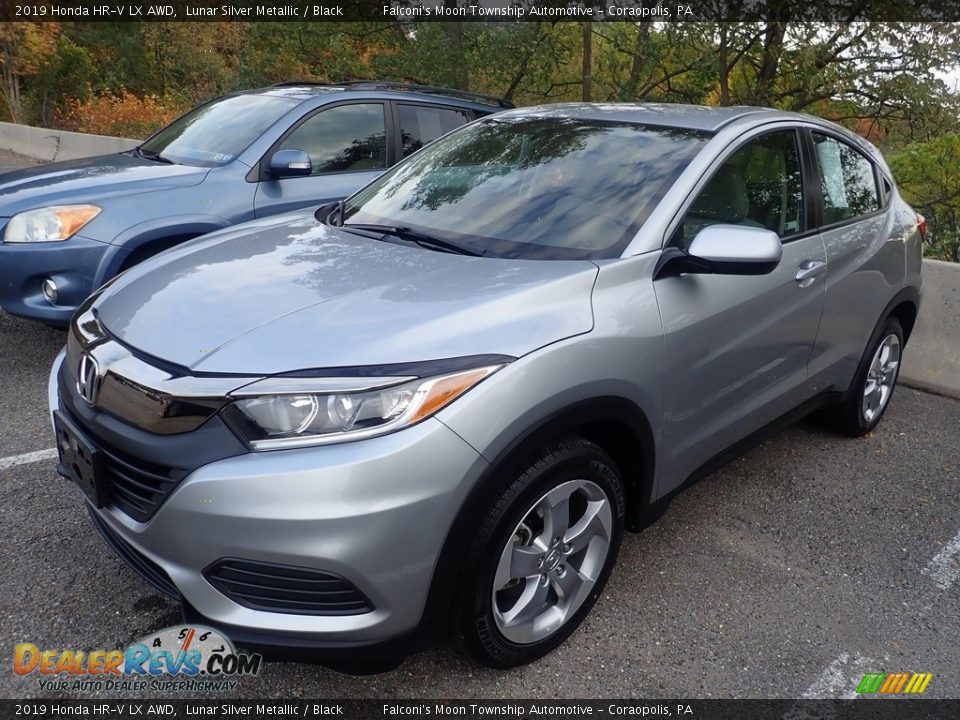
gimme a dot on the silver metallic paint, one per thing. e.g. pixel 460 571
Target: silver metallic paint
pixel 705 358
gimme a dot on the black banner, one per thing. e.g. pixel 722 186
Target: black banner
pixel 914 709
pixel 480 10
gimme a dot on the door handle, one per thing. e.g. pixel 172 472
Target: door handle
pixel 809 271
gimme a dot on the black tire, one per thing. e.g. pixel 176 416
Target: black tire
pixel 848 417
pixel 474 629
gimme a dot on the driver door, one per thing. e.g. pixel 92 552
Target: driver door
pixel 738 345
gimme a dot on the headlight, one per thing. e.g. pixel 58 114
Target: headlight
pixel 49 224
pixel 298 412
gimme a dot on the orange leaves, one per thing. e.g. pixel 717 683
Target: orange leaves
pixel 25 45
pixel 124 115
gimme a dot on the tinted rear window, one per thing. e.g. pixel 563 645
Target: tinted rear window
pixel 422 124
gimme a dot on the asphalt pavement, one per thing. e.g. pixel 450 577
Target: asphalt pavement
pixel 793 571
pixel 805 557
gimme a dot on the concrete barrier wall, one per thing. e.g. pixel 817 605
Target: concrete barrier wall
pixel 932 358
pixel 47 144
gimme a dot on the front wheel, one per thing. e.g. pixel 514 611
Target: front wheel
pixel 869 396
pixel 541 556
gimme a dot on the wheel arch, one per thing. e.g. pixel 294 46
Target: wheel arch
pixel 615 424
pixel 141 241
pixel 905 307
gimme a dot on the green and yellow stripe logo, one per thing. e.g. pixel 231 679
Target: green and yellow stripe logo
pixel 894 683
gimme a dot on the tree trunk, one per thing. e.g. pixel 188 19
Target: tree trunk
pixel 639 56
pixel 772 51
pixel 453 29
pixel 587 62
pixel 11 93
pixel 723 66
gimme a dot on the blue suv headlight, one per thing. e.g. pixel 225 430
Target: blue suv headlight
pixel 49 224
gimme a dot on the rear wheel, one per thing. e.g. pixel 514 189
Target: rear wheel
pixel 541 556
pixel 876 378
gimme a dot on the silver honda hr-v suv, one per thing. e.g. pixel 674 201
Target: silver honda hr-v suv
pixel 435 407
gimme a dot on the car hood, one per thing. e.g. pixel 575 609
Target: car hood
pixel 90 180
pixel 289 293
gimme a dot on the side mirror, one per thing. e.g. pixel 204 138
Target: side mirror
pixel 290 163
pixel 725 250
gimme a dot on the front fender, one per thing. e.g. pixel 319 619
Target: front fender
pixel 133 238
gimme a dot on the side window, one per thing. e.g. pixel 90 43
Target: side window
pixel 760 185
pixel 421 124
pixel 344 138
pixel 847 180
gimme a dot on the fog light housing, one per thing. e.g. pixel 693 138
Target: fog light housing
pixel 50 292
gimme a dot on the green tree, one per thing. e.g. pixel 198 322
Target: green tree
pixel 63 76
pixel 927 175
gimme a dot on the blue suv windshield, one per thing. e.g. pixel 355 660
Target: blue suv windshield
pixel 215 133
pixel 545 188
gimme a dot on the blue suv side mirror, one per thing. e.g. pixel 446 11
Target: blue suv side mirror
pixel 290 163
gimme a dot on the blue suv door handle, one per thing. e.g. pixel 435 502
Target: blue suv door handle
pixel 809 271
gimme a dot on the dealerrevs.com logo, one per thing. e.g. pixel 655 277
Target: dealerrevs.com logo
pixel 182 657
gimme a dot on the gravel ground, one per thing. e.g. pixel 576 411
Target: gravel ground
pixel 12 161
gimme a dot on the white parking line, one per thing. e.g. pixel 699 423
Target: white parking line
pixel 27 458
pixel 839 679
pixel 945 566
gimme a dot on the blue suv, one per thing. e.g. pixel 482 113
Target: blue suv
pixel 68 227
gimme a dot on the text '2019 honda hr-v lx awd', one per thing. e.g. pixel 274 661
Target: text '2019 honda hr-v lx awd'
pixel 438 405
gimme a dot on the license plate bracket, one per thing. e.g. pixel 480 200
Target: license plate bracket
pixel 80 461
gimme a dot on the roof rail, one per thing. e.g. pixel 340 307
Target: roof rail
pixel 411 87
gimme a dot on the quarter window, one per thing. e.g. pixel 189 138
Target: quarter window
pixel 847 180
pixel 420 124
pixel 346 138
pixel 760 186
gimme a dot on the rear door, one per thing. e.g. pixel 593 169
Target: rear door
pixel 422 123
pixel 865 255
pixel 348 147
pixel 738 345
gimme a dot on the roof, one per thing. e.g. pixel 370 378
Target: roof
pixel 306 89
pixel 296 92
pixel 691 117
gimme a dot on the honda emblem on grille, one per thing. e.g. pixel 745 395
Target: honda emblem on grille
pixel 88 378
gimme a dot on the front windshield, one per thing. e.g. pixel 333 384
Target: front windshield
pixel 546 188
pixel 215 133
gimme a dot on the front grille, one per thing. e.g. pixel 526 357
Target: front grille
pixel 138 562
pixel 136 487
pixel 149 395
pixel 286 589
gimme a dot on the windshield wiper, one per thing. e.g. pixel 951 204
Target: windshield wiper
pixel 150 155
pixel 421 239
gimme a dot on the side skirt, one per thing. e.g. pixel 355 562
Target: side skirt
pixel 739 448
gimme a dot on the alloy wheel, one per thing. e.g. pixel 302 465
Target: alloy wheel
pixel 552 561
pixel 881 378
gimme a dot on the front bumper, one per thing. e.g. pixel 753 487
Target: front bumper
pixel 374 512
pixel 74 265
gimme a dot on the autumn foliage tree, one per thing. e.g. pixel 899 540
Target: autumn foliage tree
pixel 24 46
